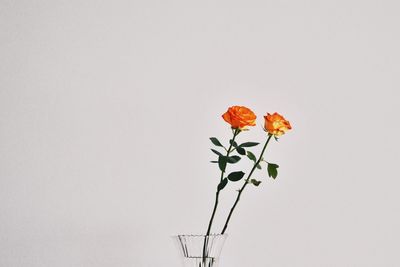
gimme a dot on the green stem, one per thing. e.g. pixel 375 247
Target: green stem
pixel 245 184
pixel 235 133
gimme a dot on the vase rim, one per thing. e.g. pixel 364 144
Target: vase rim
pixel 198 235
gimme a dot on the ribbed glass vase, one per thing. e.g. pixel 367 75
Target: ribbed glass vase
pixel 200 250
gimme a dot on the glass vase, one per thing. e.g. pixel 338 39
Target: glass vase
pixel 199 250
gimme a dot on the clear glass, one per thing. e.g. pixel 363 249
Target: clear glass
pixel 199 250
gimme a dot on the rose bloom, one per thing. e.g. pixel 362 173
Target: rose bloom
pixel 239 117
pixel 276 124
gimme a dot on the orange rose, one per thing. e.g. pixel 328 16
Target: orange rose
pixel 276 124
pixel 239 117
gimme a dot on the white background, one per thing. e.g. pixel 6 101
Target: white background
pixel 106 108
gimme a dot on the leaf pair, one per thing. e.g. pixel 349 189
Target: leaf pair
pixel 239 148
pixel 272 170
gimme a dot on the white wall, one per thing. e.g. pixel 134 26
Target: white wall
pixel 106 108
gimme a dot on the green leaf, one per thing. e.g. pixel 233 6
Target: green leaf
pixel 251 156
pixel 233 143
pixel 216 142
pixel 249 144
pixel 216 152
pixel 233 159
pixel 255 182
pixel 222 163
pixel 276 138
pixel 259 166
pixel 235 176
pixel 273 170
pixel 222 184
pixel 214 161
pixel 240 150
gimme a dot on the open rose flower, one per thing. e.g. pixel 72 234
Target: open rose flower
pixel 276 124
pixel 239 117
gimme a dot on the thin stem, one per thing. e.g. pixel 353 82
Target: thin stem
pixel 245 184
pixel 235 133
